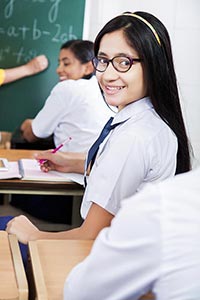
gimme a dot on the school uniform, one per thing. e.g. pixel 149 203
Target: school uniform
pixel 152 245
pixel 143 149
pixel 75 108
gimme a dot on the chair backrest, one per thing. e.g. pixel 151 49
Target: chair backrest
pixel 22 282
pixel 13 283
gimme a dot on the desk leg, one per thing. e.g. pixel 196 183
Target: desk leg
pixel 76 217
pixel 6 199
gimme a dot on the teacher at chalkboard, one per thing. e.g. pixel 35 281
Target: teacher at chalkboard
pixel 34 66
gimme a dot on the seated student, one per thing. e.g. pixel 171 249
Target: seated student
pixel 75 107
pixel 34 66
pixel 153 244
pixel 147 141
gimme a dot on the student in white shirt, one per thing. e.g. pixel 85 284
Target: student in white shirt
pixel 135 71
pixel 153 244
pixel 75 107
pixel 34 66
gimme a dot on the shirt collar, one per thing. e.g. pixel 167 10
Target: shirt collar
pixel 133 109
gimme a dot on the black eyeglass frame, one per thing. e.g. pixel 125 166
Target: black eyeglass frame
pixel 131 60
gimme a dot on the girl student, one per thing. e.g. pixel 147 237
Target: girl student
pixel 134 67
pixel 75 108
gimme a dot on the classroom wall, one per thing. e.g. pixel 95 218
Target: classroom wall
pixel 181 17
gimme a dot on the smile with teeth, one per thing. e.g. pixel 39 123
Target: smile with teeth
pixel 113 89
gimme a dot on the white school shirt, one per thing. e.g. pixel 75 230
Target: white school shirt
pixel 75 108
pixel 141 150
pixel 153 244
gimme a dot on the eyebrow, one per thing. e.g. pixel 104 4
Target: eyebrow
pixel 117 54
pixel 64 59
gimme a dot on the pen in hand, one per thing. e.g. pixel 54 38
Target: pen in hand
pixel 42 161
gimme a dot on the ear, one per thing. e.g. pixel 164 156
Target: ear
pixel 89 68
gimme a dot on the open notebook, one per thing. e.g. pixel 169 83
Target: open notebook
pixel 29 169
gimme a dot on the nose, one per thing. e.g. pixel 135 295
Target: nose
pixel 110 73
pixel 58 70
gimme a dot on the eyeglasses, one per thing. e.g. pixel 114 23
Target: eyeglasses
pixel 120 63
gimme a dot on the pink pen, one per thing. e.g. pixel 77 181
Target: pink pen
pixel 42 161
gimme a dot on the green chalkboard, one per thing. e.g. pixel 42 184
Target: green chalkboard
pixel 29 28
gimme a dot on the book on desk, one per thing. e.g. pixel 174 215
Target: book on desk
pixel 29 169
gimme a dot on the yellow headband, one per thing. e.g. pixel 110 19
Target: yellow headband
pixel 147 23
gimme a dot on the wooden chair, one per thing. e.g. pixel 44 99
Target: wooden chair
pixel 13 283
pixel 51 262
pixel 19 268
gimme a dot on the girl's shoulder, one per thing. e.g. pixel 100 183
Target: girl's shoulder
pixel 75 86
pixel 66 87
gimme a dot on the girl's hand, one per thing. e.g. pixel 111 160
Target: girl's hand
pixel 66 162
pixel 37 64
pixel 23 229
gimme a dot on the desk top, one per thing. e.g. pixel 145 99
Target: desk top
pixel 36 187
pixel 51 262
pixel 15 154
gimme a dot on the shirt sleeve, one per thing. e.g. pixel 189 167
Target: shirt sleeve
pixel 125 258
pixel 2 76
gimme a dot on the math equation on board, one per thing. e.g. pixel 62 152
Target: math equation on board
pixel 27 26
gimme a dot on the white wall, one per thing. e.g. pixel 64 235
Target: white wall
pixel 181 17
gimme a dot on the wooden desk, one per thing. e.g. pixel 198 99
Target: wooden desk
pixel 13 282
pixel 17 186
pixel 51 261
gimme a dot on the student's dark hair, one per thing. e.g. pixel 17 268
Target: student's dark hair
pixel 159 73
pixel 83 50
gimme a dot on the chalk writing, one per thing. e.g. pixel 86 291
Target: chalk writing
pixel 21 55
pixel 9 9
pixel 52 13
pixel 35 32
pixel 35 24
pixel 3 53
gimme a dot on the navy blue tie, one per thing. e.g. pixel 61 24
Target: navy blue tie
pixel 95 147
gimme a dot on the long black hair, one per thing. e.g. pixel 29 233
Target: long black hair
pixel 83 50
pixel 159 73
